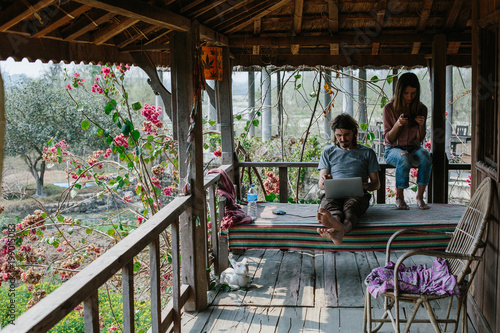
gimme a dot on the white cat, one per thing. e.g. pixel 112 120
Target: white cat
pixel 237 276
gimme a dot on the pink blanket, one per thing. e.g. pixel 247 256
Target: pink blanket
pixel 233 213
pixel 436 280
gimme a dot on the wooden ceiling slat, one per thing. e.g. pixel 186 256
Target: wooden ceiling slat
pixel 375 48
pixel 256 32
pixel 151 41
pixel 258 16
pixel 151 14
pixel 112 30
pixel 424 15
pixel 142 11
pixel 205 9
pixel 62 21
pixel 190 5
pixel 241 16
pixel 10 18
pixel 137 36
pixel 80 28
pixel 333 16
pixel 220 13
pixel 453 14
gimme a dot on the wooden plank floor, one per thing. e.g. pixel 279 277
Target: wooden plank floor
pixel 296 291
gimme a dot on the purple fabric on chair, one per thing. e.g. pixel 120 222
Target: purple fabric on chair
pixel 436 280
pixel 233 214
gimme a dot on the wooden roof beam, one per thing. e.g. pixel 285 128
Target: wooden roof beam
pixel 62 21
pixel 453 47
pixel 424 15
pixel 256 32
pixel 258 16
pixel 453 14
pixel 334 49
pixel 154 15
pixel 239 41
pixel 112 30
pixel 140 34
pixel 79 28
pixel 20 11
pixel 333 16
pixel 416 48
pixel 297 23
pixel 297 17
pixel 190 5
pixel 381 9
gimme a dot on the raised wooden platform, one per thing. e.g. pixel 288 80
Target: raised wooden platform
pixel 297 229
pixel 299 291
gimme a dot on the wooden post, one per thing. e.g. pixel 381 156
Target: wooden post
pixel 91 313
pixel 225 109
pixel 251 101
pixel 176 277
pixel 266 105
pixel 193 250
pixel 449 107
pixel 128 297
pixel 362 96
pixel 283 175
pixel 223 251
pixel 438 128
pixel 154 275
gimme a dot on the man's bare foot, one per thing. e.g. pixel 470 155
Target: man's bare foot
pixel 401 204
pixel 325 218
pixel 335 236
pixel 421 204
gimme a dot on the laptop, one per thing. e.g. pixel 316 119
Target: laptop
pixel 343 188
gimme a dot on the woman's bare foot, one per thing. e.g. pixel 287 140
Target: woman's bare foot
pixel 421 204
pixel 335 236
pixel 401 204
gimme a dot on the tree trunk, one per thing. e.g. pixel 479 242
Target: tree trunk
pixel 34 172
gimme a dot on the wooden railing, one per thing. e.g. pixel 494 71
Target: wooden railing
pixel 84 286
pixel 284 166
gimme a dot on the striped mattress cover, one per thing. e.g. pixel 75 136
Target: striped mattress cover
pixel 297 229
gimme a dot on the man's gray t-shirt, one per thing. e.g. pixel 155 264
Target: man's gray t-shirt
pixel 359 162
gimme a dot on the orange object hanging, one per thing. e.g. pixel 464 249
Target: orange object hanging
pixel 211 58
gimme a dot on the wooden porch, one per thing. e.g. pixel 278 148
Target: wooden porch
pixel 299 291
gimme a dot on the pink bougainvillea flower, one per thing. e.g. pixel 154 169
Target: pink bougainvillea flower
pixel 127 198
pixel 167 191
pixel 140 219
pixel 107 153
pixel 428 145
pixel 121 140
pixel 156 182
pixel 60 249
pixel 69 86
pixel 414 172
pixel 218 153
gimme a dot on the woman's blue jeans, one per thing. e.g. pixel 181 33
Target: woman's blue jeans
pixel 406 157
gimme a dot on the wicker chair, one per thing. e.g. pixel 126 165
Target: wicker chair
pixel 463 253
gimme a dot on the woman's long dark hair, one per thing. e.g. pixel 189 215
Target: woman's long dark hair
pixel 406 80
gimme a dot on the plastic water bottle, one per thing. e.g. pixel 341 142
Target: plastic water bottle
pixel 252 202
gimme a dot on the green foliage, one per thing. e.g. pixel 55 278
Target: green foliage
pixel 73 322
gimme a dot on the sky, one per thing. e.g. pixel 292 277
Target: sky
pixel 10 67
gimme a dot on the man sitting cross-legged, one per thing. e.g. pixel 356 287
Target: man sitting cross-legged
pixel 345 159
